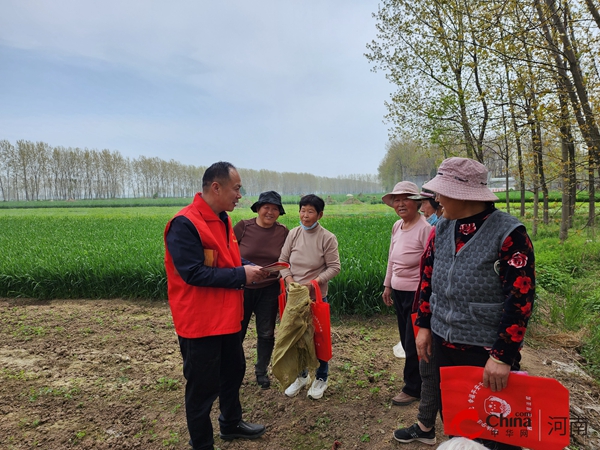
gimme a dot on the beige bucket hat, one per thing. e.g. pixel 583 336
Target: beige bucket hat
pixel 403 187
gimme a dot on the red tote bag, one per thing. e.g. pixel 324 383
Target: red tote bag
pixel 282 299
pixel 531 412
pixel 413 319
pixel 322 324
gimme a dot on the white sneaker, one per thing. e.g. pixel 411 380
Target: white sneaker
pixel 297 386
pixel 317 389
pixel 399 350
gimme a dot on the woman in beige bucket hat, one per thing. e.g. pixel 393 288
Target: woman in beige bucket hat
pixel 409 236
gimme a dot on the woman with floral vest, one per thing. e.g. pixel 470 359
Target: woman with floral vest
pixel 478 283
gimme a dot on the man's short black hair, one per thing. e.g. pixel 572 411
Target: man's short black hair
pixel 314 201
pixel 219 172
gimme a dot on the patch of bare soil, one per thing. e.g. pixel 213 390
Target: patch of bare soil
pixel 107 375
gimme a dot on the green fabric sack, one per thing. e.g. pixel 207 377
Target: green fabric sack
pixel 295 346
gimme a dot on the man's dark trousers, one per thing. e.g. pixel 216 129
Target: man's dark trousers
pixel 213 366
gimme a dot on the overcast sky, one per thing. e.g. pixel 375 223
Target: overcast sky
pixel 274 84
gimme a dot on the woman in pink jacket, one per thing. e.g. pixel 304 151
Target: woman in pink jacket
pixel 409 237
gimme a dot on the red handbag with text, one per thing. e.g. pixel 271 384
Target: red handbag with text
pixel 322 324
pixel 531 412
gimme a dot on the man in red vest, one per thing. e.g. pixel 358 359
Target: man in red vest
pixel 205 278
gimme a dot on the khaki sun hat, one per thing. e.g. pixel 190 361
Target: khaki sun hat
pixel 462 179
pixel 403 187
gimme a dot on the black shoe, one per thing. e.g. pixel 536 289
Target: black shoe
pixel 263 381
pixel 243 430
pixel 414 433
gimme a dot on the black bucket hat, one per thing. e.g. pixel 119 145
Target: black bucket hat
pixel 268 197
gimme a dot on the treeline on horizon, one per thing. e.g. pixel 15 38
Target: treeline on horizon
pixel 37 171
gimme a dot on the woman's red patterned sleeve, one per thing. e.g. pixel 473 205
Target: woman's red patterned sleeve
pixel 517 275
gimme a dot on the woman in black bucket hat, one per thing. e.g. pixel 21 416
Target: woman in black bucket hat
pixel 260 240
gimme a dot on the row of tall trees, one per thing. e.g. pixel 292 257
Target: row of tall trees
pixel 37 171
pixel 407 160
pixel 511 83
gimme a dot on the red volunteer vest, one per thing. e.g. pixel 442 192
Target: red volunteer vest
pixel 200 311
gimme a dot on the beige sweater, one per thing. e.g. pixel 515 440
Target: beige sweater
pixel 311 254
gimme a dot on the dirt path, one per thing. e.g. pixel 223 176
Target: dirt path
pixel 107 375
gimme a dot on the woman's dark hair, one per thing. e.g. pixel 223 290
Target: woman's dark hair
pixel 314 201
pixel 435 205
pixel 219 172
